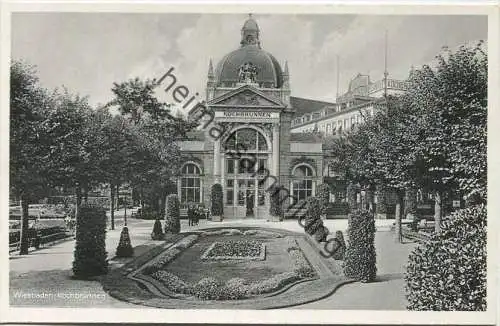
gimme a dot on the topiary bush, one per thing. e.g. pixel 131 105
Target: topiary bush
pixel 339 253
pixel 216 200
pixel 275 207
pixel 352 196
pixel 360 256
pixel 313 224
pixel 172 214
pixel 157 233
pixel 448 272
pixel 90 249
pixel 124 248
pixel 323 194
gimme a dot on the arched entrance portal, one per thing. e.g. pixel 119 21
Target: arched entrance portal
pixel 246 154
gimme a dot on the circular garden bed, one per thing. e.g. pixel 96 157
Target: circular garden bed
pixel 243 268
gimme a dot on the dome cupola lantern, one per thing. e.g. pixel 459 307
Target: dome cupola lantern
pixel 250 32
pixel 249 64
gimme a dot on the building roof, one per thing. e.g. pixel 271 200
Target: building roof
pixel 250 56
pixel 302 137
pixel 305 105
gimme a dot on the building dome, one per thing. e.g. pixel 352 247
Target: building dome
pixel 249 61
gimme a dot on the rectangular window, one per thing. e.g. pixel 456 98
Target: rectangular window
pixel 229 192
pixel 262 166
pixel 302 189
pixel 190 189
pixel 230 166
pixel 229 196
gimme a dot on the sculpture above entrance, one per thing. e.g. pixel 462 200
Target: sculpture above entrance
pixel 247 73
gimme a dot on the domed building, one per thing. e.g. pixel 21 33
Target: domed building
pixel 247 142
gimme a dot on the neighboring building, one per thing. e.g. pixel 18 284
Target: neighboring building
pixel 362 99
pixel 253 132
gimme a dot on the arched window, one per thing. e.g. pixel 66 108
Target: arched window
pixel 190 184
pixel 302 184
pixel 246 139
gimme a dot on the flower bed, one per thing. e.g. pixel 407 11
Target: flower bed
pixel 263 233
pixel 210 288
pixel 231 249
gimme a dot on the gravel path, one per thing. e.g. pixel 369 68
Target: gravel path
pixel 43 278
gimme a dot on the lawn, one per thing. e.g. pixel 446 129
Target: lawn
pixel 192 268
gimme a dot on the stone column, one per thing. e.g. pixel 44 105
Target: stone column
pixel 222 166
pixel 178 189
pixel 217 161
pixel 276 151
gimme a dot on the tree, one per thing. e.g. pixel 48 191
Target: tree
pixel 379 152
pixel 28 138
pixel 74 146
pixel 153 157
pixel 449 104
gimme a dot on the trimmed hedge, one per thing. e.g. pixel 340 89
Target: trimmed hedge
pixel 157 233
pixel 341 249
pixel 352 197
pixel 275 208
pixel 172 215
pixel 360 256
pixel 313 224
pixel 217 208
pixel 448 272
pixel 90 249
pixel 323 194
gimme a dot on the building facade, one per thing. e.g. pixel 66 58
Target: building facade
pixel 254 134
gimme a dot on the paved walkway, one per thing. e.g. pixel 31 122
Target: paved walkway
pixel 44 276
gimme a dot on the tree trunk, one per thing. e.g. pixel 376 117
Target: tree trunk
pixel 112 203
pixel 438 213
pixel 398 215
pixel 162 204
pixel 24 240
pixel 142 200
pixel 370 199
pixel 410 204
pixel 117 187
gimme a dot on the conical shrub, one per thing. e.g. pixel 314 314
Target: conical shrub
pixel 90 249
pixel 172 215
pixel 124 248
pixel 360 257
pixel 157 233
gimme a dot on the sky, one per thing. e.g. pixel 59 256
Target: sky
pixel 88 52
